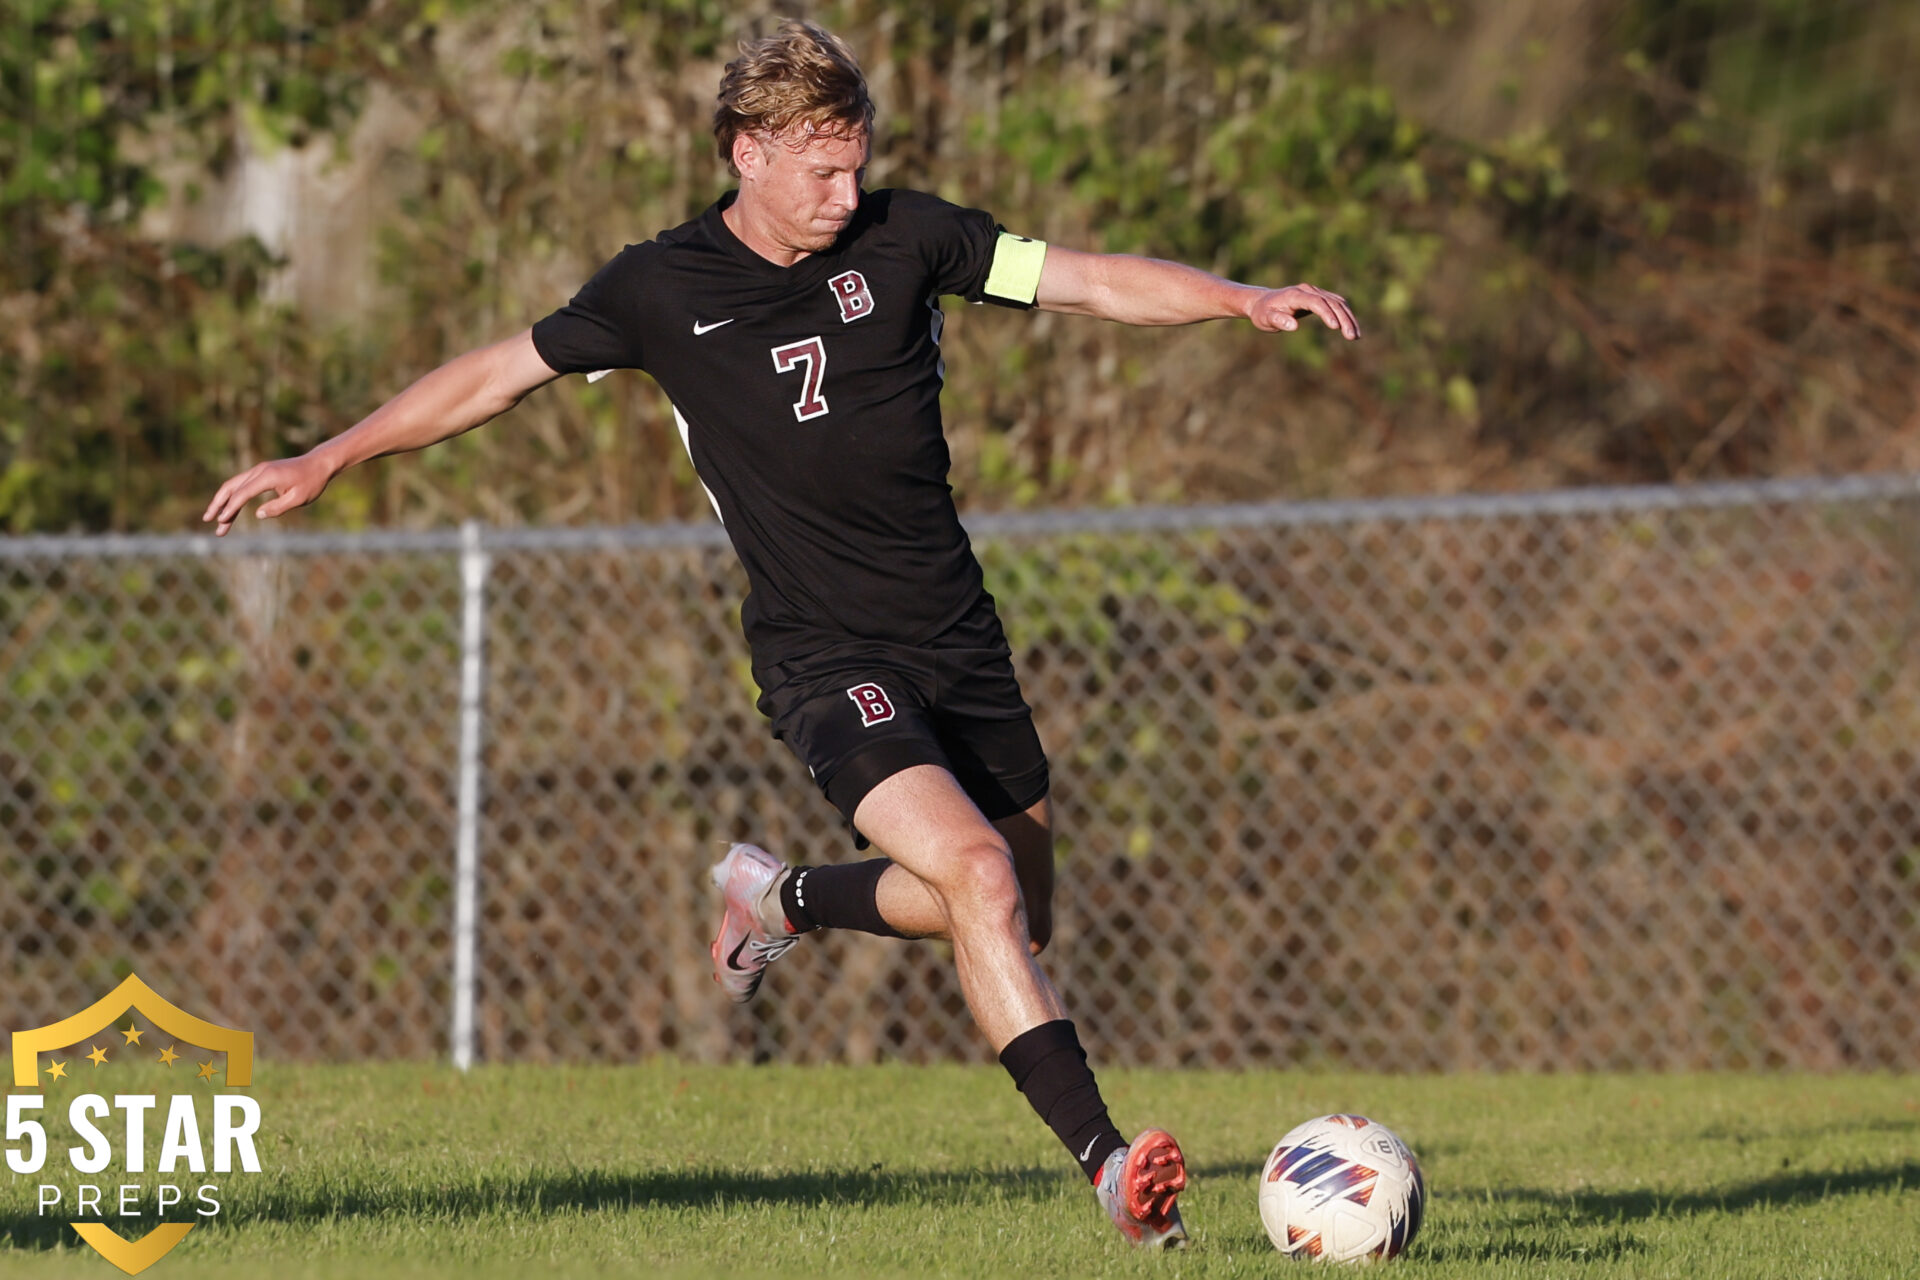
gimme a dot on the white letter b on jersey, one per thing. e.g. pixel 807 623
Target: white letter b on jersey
pixel 851 292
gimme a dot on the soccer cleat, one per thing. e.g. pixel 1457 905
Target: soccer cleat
pixel 1137 1187
pixel 742 949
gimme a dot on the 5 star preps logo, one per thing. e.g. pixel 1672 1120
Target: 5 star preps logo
pixel 129 1097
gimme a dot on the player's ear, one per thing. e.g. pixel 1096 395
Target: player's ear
pixel 747 153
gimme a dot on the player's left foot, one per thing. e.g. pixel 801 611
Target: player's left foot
pixel 743 947
pixel 1137 1187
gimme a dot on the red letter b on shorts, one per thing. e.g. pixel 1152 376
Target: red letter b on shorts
pixel 874 706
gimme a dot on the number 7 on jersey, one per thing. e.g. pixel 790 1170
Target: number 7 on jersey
pixel 812 353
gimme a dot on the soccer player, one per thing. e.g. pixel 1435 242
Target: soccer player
pixel 795 327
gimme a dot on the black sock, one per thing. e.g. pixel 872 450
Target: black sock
pixel 1049 1066
pixel 837 897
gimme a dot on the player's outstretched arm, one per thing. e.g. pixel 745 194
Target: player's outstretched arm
pixel 1131 290
pixel 458 396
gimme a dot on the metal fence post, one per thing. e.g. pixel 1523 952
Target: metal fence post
pixel 466 895
pixel 1565 748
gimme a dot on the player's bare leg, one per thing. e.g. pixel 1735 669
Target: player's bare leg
pixel 944 857
pixel 928 826
pixel 754 930
pixel 911 907
pixel 988 888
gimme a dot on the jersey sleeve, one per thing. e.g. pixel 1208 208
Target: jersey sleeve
pixel 600 328
pixel 975 257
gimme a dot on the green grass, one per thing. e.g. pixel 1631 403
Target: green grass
pixel 412 1171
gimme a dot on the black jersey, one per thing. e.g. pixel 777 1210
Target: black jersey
pixel 809 400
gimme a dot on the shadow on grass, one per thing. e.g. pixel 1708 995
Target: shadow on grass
pixel 1599 1220
pixel 1532 1241
pixel 1615 1246
pixel 1595 1226
pixel 1778 1191
pixel 584 1190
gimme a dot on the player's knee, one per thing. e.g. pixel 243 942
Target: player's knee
pixel 981 883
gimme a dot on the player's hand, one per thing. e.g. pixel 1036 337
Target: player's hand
pixel 294 481
pixel 1279 310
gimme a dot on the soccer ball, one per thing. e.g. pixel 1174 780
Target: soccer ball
pixel 1342 1189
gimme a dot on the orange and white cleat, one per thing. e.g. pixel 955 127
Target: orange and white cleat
pixel 1137 1187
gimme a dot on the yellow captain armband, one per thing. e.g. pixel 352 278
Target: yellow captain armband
pixel 1014 277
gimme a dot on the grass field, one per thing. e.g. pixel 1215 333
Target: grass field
pixel 414 1171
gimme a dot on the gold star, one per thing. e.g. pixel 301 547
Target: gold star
pixel 208 1071
pixel 168 1057
pixel 98 1057
pixel 58 1071
pixel 132 1034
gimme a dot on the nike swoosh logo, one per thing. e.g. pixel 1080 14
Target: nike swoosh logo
pixel 733 960
pixel 1089 1150
pixel 699 328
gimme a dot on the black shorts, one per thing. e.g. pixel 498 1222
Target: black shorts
pixel 860 711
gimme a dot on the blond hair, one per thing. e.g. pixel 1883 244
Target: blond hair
pixel 799 78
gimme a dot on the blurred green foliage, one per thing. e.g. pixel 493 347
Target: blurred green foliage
pixel 110 394
pixel 1654 241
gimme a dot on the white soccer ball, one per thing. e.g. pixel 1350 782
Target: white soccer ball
pixel 1342 1189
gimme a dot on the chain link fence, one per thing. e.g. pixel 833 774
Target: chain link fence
pixel 1613 779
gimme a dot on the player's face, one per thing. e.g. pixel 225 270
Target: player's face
pixel 804 191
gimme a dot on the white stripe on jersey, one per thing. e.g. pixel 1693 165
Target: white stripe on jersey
pixel 939 324
pixel 687 444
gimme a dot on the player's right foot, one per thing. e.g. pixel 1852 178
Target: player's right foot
pixel 1137 1187
pixel 743 947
